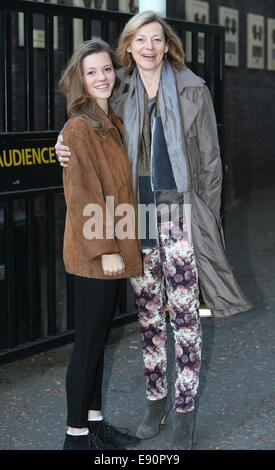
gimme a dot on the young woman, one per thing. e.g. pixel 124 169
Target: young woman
pixel 95 256
pixel 170 134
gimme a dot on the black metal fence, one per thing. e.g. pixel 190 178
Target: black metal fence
pixel 36 41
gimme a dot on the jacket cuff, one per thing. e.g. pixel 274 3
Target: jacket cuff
pixel 95 248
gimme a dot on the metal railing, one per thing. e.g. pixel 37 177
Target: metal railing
pixel 35 311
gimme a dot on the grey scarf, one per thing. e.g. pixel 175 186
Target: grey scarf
pixel 171 121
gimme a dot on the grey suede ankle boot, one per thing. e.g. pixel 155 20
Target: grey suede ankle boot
pixel 154 416
pixel 184 424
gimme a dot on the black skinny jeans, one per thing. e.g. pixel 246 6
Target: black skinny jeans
pixel 95 302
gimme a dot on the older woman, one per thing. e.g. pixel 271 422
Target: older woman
pixel 170 134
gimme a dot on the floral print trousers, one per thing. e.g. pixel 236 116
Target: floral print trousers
pixel 170 280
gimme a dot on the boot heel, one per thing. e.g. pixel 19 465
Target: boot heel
pixel 154 416
pixel 163 419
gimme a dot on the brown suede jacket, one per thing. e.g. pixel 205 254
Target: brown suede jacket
pixel 99 171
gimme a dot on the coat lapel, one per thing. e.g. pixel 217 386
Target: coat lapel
pixel 189 112
pixel 186 78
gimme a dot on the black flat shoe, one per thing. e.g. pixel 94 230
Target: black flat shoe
pixel 89 442
pixel 111 436
pixel 76 443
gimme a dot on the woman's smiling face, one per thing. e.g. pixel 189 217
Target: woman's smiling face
pixel 148 46
pixel 99 76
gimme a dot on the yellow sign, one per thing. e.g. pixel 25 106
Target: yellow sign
pixel 28 161
pixel 27 156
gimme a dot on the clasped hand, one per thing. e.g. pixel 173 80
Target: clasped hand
pixel 112 265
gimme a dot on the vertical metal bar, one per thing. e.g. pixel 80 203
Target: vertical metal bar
pixel 6 75
pixel 28 70
pixel 49 64
pixel 195 52
pixel 104 28
pixel 31 256
pixel 51 266
pixel 68 44
pixel 182 38
pixel 207 60
pixel 68 37
pixel 10 272
pixel 87 30
pixel 120 27
pixel 219 67
pixel 219 47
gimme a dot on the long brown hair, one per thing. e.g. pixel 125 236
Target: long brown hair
pixel 72 85
pixel 175 53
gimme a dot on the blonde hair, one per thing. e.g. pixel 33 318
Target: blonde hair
pixel 73 88
pixel 175 53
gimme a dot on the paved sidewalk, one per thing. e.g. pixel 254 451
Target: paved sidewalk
pixel 236 398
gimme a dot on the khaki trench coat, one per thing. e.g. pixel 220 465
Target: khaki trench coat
pixel 220 290
pixel 98 169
